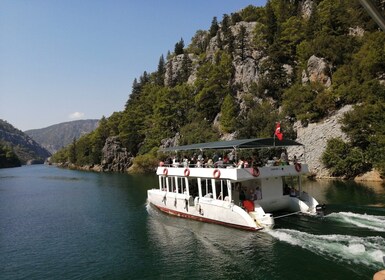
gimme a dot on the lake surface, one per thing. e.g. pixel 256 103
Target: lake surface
pixel 64 224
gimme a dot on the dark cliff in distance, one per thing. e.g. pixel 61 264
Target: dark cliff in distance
pixel 19 148
pixel 60 135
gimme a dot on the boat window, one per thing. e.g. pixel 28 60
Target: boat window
pixel 288 183
pixel 206 188
pixel 221 189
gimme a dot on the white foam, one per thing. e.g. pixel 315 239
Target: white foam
pixel 375 223
pixel 351 249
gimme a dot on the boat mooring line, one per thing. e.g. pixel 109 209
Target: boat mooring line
pixel 294 213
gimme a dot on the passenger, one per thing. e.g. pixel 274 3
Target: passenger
pixel 242 195
pixel 284 157
pixel 293 192
pixel 240 163
pixel 219 163
pixel 294 159
pixel 185 162
pixel 250 195
pixel 231 156
pixel 257 194
pixel 286 190
pixel 175 162
pixel 210 163
pixel 215 157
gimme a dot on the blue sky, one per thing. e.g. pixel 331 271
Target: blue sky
pixel 62 60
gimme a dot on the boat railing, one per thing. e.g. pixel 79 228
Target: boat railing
pixel 228 165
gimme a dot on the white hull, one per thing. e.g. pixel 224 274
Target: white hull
pixel 203 209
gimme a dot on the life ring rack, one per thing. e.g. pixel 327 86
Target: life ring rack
pixel 165 171
pixel 187 172
pixel 255 171
pixel 217 173
pixel 298 167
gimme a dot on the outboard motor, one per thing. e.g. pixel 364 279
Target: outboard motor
pixel 320 209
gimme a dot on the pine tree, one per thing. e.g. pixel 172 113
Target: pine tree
pixel 179 47
pixel 161 71
pixel 228 114
pixel 214 27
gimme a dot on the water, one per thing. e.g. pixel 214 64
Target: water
pixel 63 224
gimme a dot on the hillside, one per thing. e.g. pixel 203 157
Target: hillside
pixel 60 135
pixel 297 62
pixel 15 142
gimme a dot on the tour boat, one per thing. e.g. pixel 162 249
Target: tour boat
pixel 245 196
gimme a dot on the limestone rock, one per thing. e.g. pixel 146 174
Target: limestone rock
pixel 114 156
pixel 314 137
pixel 307 8
pixel 318 70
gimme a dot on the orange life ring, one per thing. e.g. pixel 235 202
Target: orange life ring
pixel 216 173
pixel 165 171
pixel 187 172
pixel 298 167
pixel 255 171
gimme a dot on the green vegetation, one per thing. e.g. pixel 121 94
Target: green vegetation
pixel 8 158
pixel 168 103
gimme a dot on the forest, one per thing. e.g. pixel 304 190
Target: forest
pixel 194 96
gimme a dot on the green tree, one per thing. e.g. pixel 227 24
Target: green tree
pixel 72 152
pixel 214 27
pixel 228 114
pixel 179 47
pixel 343 160
pixel 198 131
pixel 212 85
pixel 161 71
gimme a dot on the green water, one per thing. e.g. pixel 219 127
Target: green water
pixel 63 224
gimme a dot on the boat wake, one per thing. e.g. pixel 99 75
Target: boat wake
pixel 352 249
pixel 375 223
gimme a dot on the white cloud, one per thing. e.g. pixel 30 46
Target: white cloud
pixel 76 115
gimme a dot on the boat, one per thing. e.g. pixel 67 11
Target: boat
pixel 246 196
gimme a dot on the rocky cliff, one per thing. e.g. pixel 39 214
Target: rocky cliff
pixel 60 135
pixel 314 137
pixel 26 149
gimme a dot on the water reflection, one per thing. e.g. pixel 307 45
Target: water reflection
pixel 347 192
pixel 209 246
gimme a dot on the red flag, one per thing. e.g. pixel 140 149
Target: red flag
pixel 278 132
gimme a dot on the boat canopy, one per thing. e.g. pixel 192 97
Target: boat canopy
pixel 256 143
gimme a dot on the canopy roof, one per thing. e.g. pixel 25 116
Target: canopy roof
pixel 256 143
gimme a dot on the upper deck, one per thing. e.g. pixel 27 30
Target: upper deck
pixel 235 174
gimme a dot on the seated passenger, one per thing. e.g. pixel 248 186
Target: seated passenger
pixel 219 163
pixel 293 192
pixel 257 194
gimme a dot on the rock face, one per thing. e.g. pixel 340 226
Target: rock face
pixel 314 137
pixel 318 70
pixel 23 145
pixel 114 156
pixel 57 136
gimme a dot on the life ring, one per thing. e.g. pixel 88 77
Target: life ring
pixel 165 171
pixel 187 172
pixel 255 171
pixel 298 167
pixel 216 173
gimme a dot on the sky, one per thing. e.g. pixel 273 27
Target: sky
pixel 64 60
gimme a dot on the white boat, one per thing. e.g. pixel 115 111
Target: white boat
pixel 214 193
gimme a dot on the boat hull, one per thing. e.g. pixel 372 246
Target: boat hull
pixel 202 219
pixel 204 209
